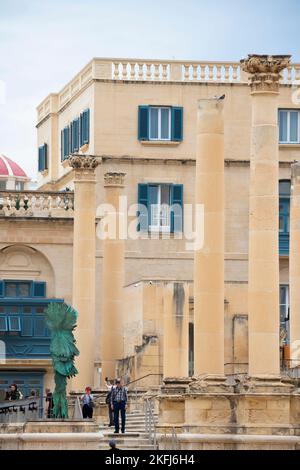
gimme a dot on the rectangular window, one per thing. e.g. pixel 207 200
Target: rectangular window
pixel 160 123
pixel 84 127
pixel 17 289
pixel 289 126
pixel 2 185
pixel 14 323
pixel 65 143
pixel 3 323
pixel 43 158
pixel 159 198
pixel 284 315
pixel 160 207
pixel 75 135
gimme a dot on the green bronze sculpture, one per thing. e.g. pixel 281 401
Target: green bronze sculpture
pixel 61 321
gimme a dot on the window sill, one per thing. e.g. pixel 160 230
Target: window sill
pixel 170 143
pixel 289 146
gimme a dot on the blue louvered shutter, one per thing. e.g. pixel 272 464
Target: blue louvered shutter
pixel 1 288
pixel 39 289
pixel 75 135
pixel 81 129
pixel 66 143
pixel 14 323
pixel 39 160
pixel 143 123
pixel 39 326
pixel 3 323
pixel 177 123
pixel 177 208
pixel 143 209
pixel 85 127
pixel 45 151
pixel 27 326
pixel 61 145
pixel 71 137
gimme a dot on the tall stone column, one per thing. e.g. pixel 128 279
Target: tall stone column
pixel 176 330
pixel 112 335
pixel 294 266
pixel 263 279
pixel 84 255
pixel 209 259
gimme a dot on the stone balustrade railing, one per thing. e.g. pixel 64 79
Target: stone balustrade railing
pixel 36 204
pixel 128 69
pixel 152 70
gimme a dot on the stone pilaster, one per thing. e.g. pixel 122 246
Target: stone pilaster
pixel 84 253
pixel 294 266
pixel 112 336
pixel 209 259
pixel 176 330
pixel 264 76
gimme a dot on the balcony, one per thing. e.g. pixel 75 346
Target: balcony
pixel 31 204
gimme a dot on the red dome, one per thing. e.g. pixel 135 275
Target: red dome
pixel 10 168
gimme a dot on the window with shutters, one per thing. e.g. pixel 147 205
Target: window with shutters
pixel 284 216
pixel 160 207
pixel 289 126
pixel 160 123
pixel 43 158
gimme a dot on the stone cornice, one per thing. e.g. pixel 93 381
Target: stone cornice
pixel 265 71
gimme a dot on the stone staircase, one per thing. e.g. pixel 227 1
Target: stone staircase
pixel 135 437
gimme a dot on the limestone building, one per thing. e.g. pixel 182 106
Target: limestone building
pixel 128 128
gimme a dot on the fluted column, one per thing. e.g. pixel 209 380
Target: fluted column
pixel 112 340
pixel 84 253
pixel 294 266
pixel 209 260
pixel 176 330
pixel 263 278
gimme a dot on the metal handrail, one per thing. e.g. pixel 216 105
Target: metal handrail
pixel 150 427
pixel 144 377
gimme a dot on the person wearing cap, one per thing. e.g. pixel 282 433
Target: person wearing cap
pixel 118 402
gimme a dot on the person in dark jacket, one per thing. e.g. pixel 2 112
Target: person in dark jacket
pixel 13 393
pixel 118 404
pixel 109 387
pixel 49 400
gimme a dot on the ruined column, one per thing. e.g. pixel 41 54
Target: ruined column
pixel 294 266
pixel 84 253
pixel 209 259
pixel 176 330
pixel 263 280
pixel 112 336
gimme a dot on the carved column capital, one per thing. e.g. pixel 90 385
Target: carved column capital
pixel 114 178
pixel 83 162
pixel 265 71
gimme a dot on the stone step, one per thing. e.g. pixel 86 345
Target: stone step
pixel 137 447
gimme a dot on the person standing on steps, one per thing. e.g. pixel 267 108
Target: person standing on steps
pixel 118 402
pixel 87 404
pixel 109 386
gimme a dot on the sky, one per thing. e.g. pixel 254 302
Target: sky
pixel 44 43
